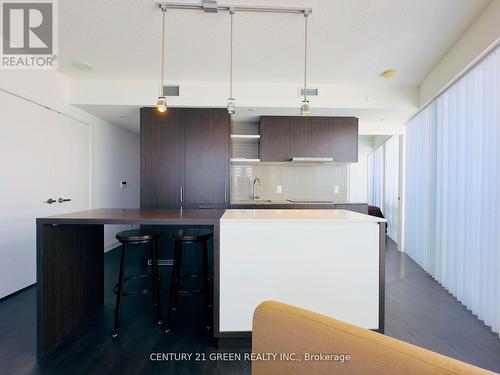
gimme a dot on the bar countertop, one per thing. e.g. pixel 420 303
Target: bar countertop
pixel 137 216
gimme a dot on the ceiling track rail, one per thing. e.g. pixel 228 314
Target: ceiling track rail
pixel 214 7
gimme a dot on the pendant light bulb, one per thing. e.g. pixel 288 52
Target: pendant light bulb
pixel 305 106
pixel 231 106
pixel 161 105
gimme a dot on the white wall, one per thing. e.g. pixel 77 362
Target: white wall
pixel 358 172
pixel 32 141
pixel 114 156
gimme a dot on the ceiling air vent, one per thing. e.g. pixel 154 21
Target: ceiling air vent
pixel 310 92
pixel 171 90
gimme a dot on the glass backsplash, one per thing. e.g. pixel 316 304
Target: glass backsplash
pixel 322 182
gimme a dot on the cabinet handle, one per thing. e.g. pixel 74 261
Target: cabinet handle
pixel 182 193
pixel 225 194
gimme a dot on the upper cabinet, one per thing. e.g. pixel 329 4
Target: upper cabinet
pixel 344 146
pixel 275 138
pixel 284 137
pixel 184 158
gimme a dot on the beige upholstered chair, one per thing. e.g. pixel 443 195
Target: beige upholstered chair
pixel 280 328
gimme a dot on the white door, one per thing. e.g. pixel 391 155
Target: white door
pixel 43 155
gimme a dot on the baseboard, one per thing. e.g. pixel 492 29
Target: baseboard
pixel 17 292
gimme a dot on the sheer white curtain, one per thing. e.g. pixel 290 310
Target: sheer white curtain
pixel 383 182
pixel 452 214
pixel 391 186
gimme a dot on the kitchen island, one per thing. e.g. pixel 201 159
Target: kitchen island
pixel 331 261
pixel 328 261
pixel 70 263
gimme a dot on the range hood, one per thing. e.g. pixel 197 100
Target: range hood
pixel 300 159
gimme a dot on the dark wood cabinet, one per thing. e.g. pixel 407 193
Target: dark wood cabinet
pixel 344 145
pixel 283 137
pixel 156 186
pixel 312 137
pixel 275 138
pixel 184 158
pixel 207 157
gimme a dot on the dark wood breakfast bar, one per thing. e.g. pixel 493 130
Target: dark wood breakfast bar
pixel 70 263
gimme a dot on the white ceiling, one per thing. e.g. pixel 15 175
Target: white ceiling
pixel 351 41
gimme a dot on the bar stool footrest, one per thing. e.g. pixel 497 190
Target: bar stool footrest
pixel 187 292
pixel 134 277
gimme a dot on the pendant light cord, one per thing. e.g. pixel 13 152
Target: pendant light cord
pixel 306 16
pixel 162 52
pixel 231 58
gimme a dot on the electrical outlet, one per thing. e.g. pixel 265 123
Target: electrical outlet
pixel 278 189
pixel 336 189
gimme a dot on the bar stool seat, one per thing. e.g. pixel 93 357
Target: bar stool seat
pixel 200 236
pixel 137 237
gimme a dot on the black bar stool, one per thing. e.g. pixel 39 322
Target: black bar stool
pixel 136 237
pixel 200 236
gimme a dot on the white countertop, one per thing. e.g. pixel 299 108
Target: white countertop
pixel 273 215
pixel 290 202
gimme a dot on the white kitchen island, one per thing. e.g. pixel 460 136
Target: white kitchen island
pixel 328 261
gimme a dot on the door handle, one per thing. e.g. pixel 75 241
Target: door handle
pixel 182 193
pixel 61 200
pixel 50 201
pixel 225 194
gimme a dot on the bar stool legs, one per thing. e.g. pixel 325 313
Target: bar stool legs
pixel 174 284
pixel 156 283
pixel 206 286
pixel 119 295
pixel 136 237
pixel 175 290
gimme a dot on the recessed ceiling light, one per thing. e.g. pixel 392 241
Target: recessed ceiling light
pixel 82 65
pixel 389 73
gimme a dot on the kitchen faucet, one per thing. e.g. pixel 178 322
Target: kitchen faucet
pixel 254 195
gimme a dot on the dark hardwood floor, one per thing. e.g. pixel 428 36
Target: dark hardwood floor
pixel 418 311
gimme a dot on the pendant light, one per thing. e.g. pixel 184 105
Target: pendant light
pixel 161 105
pixel 305 107
pixel 231 107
